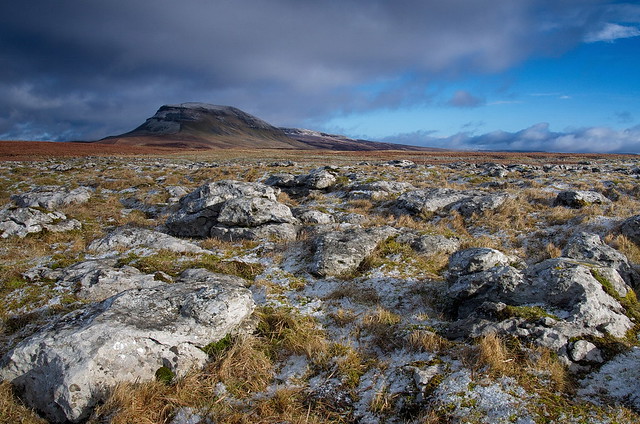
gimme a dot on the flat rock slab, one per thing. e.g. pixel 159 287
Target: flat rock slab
pixel 66 368
pixel 20 222
pixel 52 197
pixel 580 198
pixel 341 252
pixel 125 238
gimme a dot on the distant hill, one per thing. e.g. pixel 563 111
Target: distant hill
pixel 206 126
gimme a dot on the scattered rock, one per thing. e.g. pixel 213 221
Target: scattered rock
pixel 341 252
pixel 580 198
pixel 99 279
pixel 310 216
pixel 52 197
pixel 584 351
pixel 232 210
pixel 126 238
pixel 252 212
pixel 23 221
pixel 435 200
pixel 378 190
pixel 589 247
pixel 67 367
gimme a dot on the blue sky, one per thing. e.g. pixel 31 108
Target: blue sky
pixel 465 74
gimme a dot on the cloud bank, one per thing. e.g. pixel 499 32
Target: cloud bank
pixel 535 138
pixel 84 70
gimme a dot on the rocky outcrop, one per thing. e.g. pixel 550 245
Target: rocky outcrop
pixel 232 210
pixel 316 179
pixel 378 190
pixel 580 198
pixel 20 222
pixel 429 243
pixel 67 367
pixel 341 252
pixel 96 280
pixel 589 247
pixel 125 238
pixel 52 197
pixel 436 200
pixel 568 297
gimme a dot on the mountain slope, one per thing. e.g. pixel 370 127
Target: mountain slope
pixel 200 125
pixel 206 126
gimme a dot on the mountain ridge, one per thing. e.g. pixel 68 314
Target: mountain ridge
pixel 195 125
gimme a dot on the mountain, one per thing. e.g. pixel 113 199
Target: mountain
pixel 206 126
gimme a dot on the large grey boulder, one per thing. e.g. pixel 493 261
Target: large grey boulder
pixel 127 238
pixel 477 259
pixel 590 247
pixel 435 200
pixel 580 198
pixel 429 200
pixel 429 244
pixel 311 216
pixel 378 190
pixel 482 285
pixel 97 280
pixel 317 179
pixel 618 379
pixel 341 252
pixel 66 368
pixel 263 232
pixel 23 221
pixel 479 204
pixel 229 206
pixel 253 211
pixel 52 197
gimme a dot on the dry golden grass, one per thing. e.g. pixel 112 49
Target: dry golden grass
pixel 243 369
pixel 427 341
pixel 382 325
pixel 626 246
pixel 12 411
pixel 552 251
pixel 493 353
pixel 290 333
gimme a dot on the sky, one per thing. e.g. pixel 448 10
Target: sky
pixel 548 75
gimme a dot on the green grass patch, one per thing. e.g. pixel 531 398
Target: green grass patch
pixel 530 313
pixel 174 263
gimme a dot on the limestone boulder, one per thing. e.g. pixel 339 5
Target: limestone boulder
pixel 247 211
pixel 20 222
pixel 96 280
pixel 590 247
pixel 67 367
pixel 436 200
pixel 341 252
pixel 580 198
pixel 126 238
pixel 52 197
pixel 229 206
pixel 630 228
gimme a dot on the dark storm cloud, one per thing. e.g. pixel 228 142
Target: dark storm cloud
pixel 535 138
pixel 87 69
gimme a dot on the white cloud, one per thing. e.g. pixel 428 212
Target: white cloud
pixel 535 138
pixel 611 32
